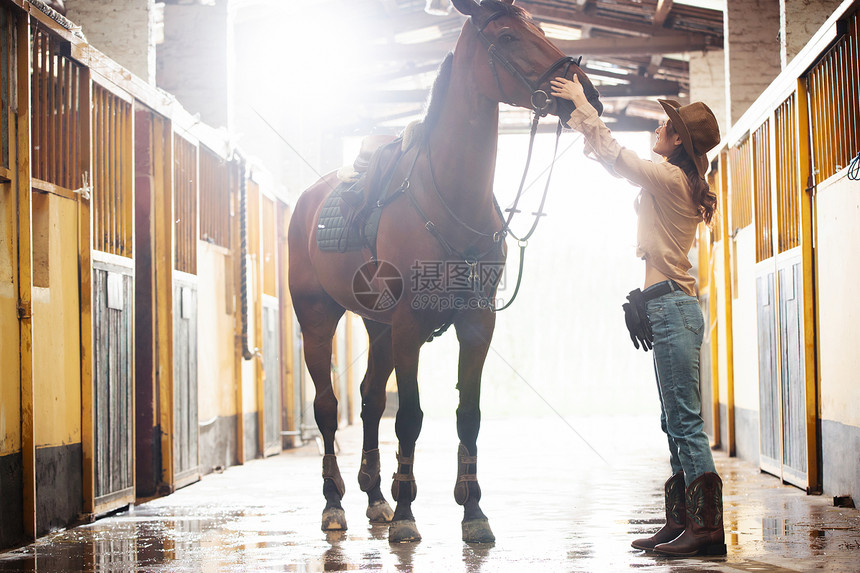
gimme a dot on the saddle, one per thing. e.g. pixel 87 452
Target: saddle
pixel 349 218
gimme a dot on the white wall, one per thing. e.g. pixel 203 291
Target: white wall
pixel 745 323
pixel 838 258
pixel 215 334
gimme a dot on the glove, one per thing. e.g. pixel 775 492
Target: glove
pixel 637 321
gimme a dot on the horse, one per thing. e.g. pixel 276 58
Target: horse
pixel 440 225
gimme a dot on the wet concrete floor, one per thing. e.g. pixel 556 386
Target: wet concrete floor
pixel 562 495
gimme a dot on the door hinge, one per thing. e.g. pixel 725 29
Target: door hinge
pixel 23 311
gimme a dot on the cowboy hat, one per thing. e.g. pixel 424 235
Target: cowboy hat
pixel 698 128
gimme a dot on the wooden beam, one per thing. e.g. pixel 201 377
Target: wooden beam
pixel 654 65
pixel 434 51
pixel 633 45
pixel 25 279
pixel 570 16
pixel 386 97
pixel 727 317
pixel 641 87
pixel 637 87
pixel 810 322
pixel 631 123
pixel 407 70
pixel 662 11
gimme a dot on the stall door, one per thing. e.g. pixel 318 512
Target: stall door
pixel 112 373
pixel 185 423
pixel 185 428
pixel 272 369
pixel 784 378
pixel 113 299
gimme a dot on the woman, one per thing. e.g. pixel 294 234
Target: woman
pixel 675 198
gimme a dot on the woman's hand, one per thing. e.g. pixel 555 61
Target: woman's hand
pixel 572 90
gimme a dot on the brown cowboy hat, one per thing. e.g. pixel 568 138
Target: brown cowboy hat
pixel 698 128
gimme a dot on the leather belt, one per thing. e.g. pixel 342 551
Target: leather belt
pixel 659 289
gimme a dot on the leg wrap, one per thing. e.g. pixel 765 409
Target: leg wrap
pixel 368 473
pixel 461 488
pixel 403 488
pixel 331 471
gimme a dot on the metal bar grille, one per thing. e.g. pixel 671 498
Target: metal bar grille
pixel 214 199
pixel 112 174
pixel 788 229
pixel 56 88
pixel 185 204
pixel 762 192
pixel 834 102
pixel 740 168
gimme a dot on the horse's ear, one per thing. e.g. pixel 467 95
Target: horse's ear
pixel 466 7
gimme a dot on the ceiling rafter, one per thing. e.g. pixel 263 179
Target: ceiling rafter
pixel 662 11
pixel 635 50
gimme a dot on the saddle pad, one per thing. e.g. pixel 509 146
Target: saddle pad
pixel 333 233
pixel 338 234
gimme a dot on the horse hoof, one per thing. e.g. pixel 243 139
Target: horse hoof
pixel 333 519
pixel 379 512
pixel 478 531
pixel 402 531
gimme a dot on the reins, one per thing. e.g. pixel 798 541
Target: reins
pixel 540 109
pixel 540 102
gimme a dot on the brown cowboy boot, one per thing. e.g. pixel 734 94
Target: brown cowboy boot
pixel 703 534
pixel 675 511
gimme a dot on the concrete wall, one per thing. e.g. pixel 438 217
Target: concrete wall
pixel 799 20
pixel 708 83
pixel 838 223
pixel 121 29
pixel 192 60
pixel 752 51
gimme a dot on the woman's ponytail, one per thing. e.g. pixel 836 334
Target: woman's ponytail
pixel 704 199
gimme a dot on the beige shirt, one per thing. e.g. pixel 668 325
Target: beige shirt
pixel 668 219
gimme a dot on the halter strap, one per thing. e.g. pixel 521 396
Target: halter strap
pixel 497 55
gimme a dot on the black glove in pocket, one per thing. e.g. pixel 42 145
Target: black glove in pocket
pixel 636 319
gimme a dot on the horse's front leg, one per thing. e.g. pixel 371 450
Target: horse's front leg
pixel 407 426
pixel 379 367
pixel 474 332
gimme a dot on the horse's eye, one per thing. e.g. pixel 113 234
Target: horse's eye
pixel 506 38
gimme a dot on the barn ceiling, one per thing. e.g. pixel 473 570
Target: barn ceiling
pixel 634 50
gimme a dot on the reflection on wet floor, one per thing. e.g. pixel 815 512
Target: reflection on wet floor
pixel 553 505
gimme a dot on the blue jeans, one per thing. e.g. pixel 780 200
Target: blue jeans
pixel 678 327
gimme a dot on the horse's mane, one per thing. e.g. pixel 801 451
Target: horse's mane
pixel 437 93
pixel 443 76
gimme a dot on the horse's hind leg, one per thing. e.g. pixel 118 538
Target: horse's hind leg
pixel 474 335
pixel 318 317
pixel 379 367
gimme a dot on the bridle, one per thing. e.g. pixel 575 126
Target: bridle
pixel 540 100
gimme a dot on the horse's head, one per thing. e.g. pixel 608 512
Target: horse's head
pixel 518 61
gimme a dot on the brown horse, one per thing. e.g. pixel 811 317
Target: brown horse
pixel 438 255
